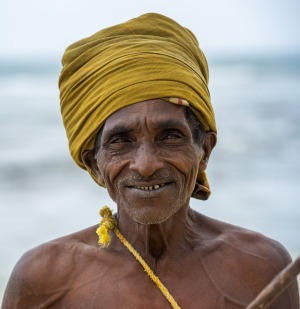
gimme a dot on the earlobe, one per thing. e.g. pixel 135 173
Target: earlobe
pixel 90 162
pixel 203 164
pixel 208 145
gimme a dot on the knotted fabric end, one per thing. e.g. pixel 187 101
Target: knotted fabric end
pixel 107 223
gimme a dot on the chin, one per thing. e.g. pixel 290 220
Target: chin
pixel 151 214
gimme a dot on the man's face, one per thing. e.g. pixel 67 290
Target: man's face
pixel 148 160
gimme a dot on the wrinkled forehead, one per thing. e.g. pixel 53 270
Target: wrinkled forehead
pixel 155 112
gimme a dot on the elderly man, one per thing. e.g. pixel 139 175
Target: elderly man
pixel 138 117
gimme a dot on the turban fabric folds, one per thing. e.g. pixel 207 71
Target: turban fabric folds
pixel 146 58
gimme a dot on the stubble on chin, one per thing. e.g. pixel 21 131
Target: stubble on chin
pixel 147 217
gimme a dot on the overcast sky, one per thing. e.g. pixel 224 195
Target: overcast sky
pixel 35 27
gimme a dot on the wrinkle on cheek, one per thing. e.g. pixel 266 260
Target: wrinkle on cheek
pixel 110 167
pixel 191 158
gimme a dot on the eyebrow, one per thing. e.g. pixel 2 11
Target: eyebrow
pixel 117 130
pixel 169 124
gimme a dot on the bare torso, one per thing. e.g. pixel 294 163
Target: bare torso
pixel 225 269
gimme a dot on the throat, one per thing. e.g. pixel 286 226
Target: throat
pixel 156 241
pixel 159 241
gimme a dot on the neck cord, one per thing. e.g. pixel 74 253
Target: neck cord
pixel 108 223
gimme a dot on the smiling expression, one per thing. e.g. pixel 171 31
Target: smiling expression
pixel 148 160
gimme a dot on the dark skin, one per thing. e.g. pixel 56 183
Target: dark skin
pixel 203 262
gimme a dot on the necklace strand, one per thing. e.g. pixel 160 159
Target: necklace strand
pixel 108 223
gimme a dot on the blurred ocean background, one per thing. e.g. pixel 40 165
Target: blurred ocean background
pixel 254 171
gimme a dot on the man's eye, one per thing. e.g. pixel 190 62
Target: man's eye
pixel 119 140
pixel 118 143
pixel 173 136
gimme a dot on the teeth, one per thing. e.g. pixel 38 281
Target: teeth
pixel 154 187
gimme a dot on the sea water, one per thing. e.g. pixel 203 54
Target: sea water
pixel 254 171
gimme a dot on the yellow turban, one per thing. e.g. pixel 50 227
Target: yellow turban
pixel 146 58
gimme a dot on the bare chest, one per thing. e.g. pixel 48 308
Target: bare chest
pixel 128 286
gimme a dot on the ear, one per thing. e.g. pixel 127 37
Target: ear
pixel 209 143
pixel 90 162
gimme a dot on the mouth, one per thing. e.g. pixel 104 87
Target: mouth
pixel 150 188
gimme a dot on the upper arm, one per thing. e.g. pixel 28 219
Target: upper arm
pixel 19 292
pixel 279 258
pixel 32 283
pixel 256 260
pixel 289 298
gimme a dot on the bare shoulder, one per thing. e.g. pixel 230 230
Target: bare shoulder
pixel 46 269
pixel 256 246
pixel 246 258
pixel 221 236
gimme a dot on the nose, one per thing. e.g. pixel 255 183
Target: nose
pixel 146 160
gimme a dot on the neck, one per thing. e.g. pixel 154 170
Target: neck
pixel 171 237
